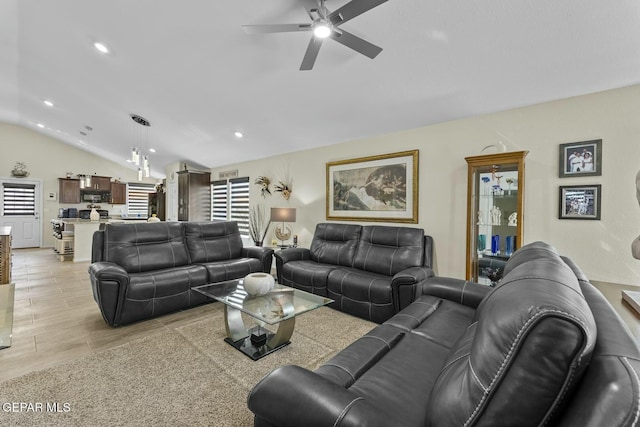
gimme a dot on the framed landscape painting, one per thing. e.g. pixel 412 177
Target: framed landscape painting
pixel 581 159
pixel 374 188
pixel 580 202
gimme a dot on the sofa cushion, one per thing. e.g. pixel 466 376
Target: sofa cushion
pixel 360 293
pixel 307 275
pixel 146 246
pixel 335 243
pixel 532 340
pixel 162 291
pixel 232 269
pixel 388 250
pixel 212 241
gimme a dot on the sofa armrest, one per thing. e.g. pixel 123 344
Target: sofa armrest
pixel 456 290
pixel 109 282
pixel 265 255
pixel 311 400
pixel 404 285
pixel 290 254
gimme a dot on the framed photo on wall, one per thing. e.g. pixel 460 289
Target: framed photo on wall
pixel 374 188
pixel 581 158
pixel 580 202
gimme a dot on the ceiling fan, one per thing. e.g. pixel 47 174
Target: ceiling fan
pixel 326 24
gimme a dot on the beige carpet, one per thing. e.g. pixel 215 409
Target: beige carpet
pixel 185 376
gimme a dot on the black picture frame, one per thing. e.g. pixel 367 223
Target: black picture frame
pixel 582 158
pixel 580 202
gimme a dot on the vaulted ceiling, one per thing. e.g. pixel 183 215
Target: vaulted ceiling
pixel 189 68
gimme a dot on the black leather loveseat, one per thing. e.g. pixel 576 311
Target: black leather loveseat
pixel 542 348
pixel 369 271
pixel 144 270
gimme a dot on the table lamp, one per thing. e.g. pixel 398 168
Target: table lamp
pixel 283 232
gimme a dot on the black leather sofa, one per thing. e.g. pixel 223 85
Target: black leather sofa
pixel 542 348
pixel 369 271
pixel 144 270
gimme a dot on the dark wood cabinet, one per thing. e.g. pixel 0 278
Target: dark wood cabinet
pixel 100 183
pixel 194 196
pixel 69 190
pixel 118 193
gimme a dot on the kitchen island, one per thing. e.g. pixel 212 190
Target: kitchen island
pixel 76 240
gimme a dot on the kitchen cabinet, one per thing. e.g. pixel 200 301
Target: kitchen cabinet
pixel 118 193
pixel 5 255
pixel 100 183
pixel 495 213
pixel 69 190
pixel 194 196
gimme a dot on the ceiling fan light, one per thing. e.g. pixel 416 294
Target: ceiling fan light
pixel 322 30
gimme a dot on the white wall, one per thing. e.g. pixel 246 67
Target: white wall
pixel 48 159
pixel 600 248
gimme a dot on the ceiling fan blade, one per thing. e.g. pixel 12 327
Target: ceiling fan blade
pixel 275 28
pixel 352 9
pixel 311 54
pixel 312 7
pixel 356 43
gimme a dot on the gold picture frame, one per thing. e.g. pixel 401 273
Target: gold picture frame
pixel 381 188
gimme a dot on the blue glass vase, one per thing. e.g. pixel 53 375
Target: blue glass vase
pixel 495 244
pixel 510 245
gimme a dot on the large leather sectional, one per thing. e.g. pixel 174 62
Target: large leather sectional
pixel 144 270
pixel 542 348
pixel 369 271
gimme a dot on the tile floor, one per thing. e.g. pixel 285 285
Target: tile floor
pixel 56 319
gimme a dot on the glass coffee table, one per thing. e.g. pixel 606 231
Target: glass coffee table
pixel 279 307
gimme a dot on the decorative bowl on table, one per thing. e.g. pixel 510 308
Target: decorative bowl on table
pixel 257 284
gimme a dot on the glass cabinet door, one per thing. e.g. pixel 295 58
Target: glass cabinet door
pixel 495 213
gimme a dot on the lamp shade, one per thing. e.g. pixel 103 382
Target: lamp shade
pixel 283 214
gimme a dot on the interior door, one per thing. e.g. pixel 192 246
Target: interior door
pixel 20 205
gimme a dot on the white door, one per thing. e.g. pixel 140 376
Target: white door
pixel 20 209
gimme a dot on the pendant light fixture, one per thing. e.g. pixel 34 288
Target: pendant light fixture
pixel 141 141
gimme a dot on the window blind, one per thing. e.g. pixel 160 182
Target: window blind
pixel 138 199
pixel 230 202
pixel 18 199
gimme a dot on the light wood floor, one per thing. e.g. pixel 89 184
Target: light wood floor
pixel 56 319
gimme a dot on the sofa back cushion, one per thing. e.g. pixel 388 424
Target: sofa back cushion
pixel 145 246
pixel 335 243
pixel 212 241
pixel 388 250
pixel 516 365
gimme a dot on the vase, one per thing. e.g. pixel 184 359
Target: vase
pixel 94 215
pixel 257 284
pixel 153 218
pixel 495 244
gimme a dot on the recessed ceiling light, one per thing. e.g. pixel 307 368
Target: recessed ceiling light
pixel 238 134
pixel 101 47
pixel 40 125
pixel 152 150
pixel 47 103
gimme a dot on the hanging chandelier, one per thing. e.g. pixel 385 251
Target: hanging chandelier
pixel 140 140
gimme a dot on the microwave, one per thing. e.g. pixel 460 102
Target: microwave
pixel 95 196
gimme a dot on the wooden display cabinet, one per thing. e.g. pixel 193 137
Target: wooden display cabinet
pixel 495 213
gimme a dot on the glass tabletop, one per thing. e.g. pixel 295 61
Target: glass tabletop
pixel 281 303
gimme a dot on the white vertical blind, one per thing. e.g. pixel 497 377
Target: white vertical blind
pixel 239 203
pixel 230 201
pixel 138 199
pixel 18 199
pixel 219 194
